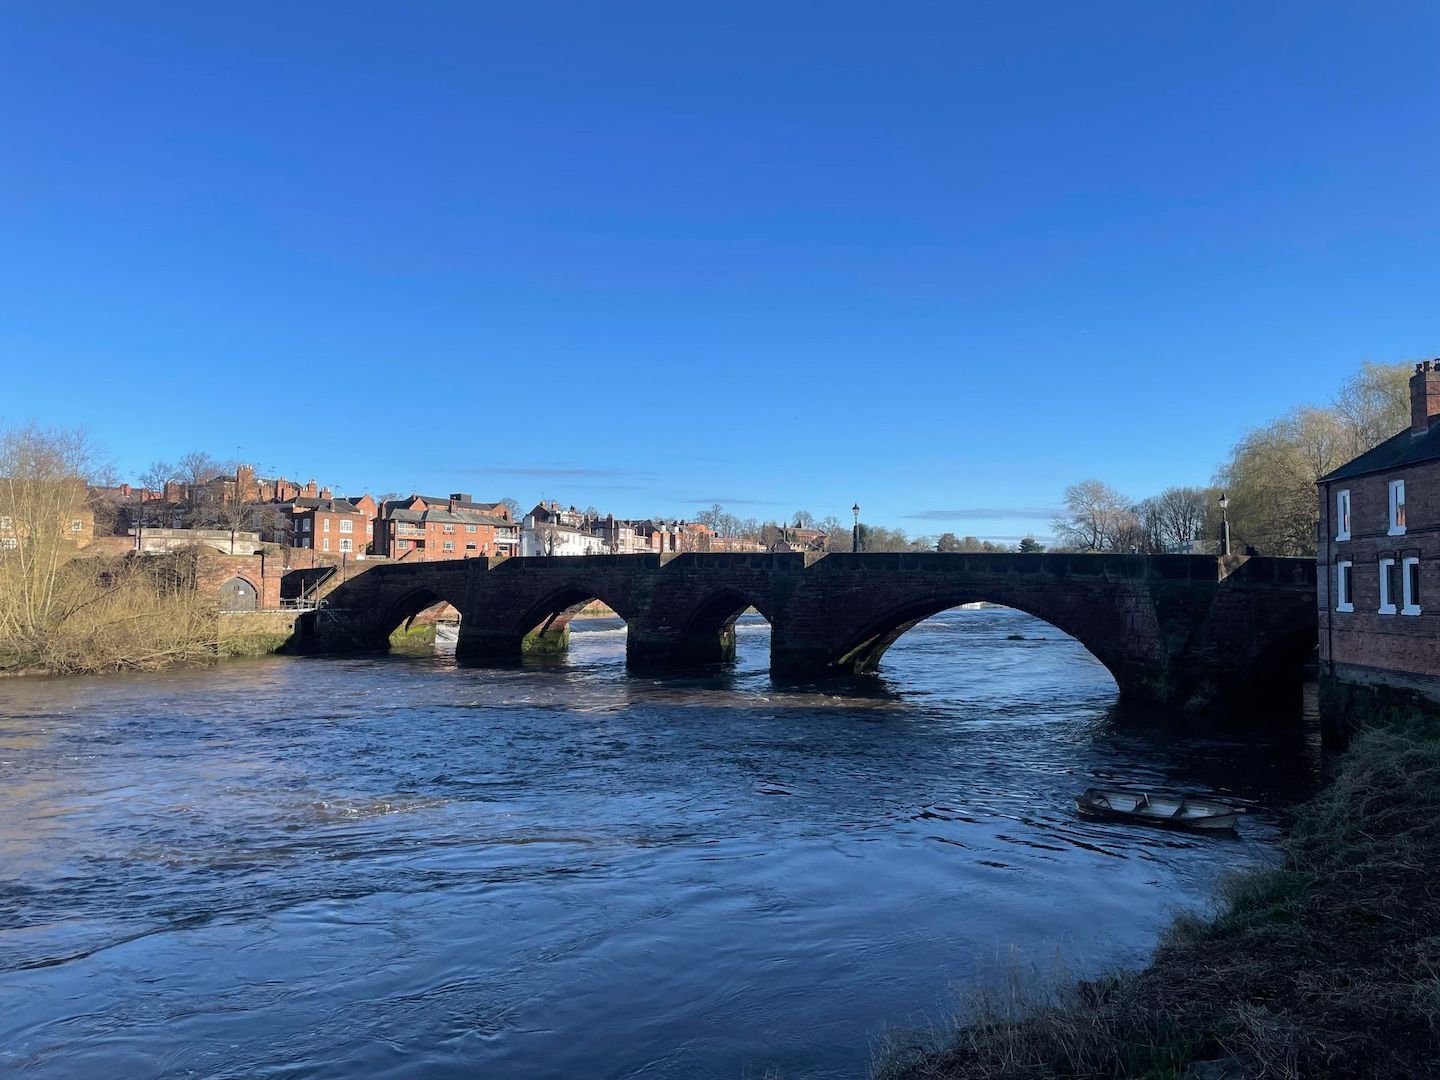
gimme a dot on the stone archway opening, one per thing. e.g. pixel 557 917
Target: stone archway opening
pixel 574 626
pixel 989 642
pixel 726 628
pixel 423 624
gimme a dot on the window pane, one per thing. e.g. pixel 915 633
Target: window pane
pixel 1412 598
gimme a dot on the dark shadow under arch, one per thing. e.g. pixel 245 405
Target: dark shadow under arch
pixel 708 637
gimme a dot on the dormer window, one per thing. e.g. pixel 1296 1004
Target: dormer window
pixel 1342 515
pixel 1397 507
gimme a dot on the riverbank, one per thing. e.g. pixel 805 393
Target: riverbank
pixel 1327 966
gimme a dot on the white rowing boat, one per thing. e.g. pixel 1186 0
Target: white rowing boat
pixel 1171 811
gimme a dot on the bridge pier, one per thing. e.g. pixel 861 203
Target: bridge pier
pixel 657 649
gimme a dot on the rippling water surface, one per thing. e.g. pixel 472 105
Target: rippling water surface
pixel 397 867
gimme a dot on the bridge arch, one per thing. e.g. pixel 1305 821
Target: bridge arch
pixel 544 627
pixel 862 650
pixel 846 625
pixel 411 621
pixel 704 635
pixel 864 647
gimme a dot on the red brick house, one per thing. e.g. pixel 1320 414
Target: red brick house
pixel 1379 561
pixel 425 529
pixel 337 526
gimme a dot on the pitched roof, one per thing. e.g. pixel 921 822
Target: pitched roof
pixel 465 504
pixel 335 506
pixel 1398 450
pixel 450 517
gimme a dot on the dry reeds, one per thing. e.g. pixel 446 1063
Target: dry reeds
pixel 119 614
pixel 65 615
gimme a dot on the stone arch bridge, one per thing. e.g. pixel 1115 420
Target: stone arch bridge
pixel 1170 628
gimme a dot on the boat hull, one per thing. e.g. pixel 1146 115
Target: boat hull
pixel 1166 812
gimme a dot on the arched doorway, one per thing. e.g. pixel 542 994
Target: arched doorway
pixel 237 594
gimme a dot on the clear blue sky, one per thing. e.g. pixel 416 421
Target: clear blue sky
pixel 939 258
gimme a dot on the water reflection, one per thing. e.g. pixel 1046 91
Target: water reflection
pixel 403 867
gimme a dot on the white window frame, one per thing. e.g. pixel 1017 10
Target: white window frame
pixel 325 525
pixel 469 528
pixel 346 544
pixel 9 543
pixel 6 524
pixel 77 525
pixel 1387 602
pixel 1411 607
pixel 305 524
pixel 448 545
pixel 1344 583
pixel 1397 508
pixel 1342 514
pixel 325 544
pixel 346 525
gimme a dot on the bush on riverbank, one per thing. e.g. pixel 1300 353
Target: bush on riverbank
pixel 100 615
pixel 62 614
pixel 1326 967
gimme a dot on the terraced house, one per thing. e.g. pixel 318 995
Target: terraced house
pixel 423 528
pixel 1379 556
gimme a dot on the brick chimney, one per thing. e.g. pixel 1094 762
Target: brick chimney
pixel 1424 396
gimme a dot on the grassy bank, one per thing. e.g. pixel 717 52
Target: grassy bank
pixel 1326 967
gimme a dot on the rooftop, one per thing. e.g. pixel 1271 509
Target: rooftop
pixel 1394 452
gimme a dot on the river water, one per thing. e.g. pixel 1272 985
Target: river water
pixel 397 867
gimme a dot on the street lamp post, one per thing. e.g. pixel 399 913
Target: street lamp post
pixel 1224 524
pixel 855 531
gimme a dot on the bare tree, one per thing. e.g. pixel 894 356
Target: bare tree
pixel 1179 519
pixel 42 488
pixel 1096 518
pixel 233 513
pixel 196 469
pixel 158 475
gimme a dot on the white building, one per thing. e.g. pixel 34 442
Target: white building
pixel 549 530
